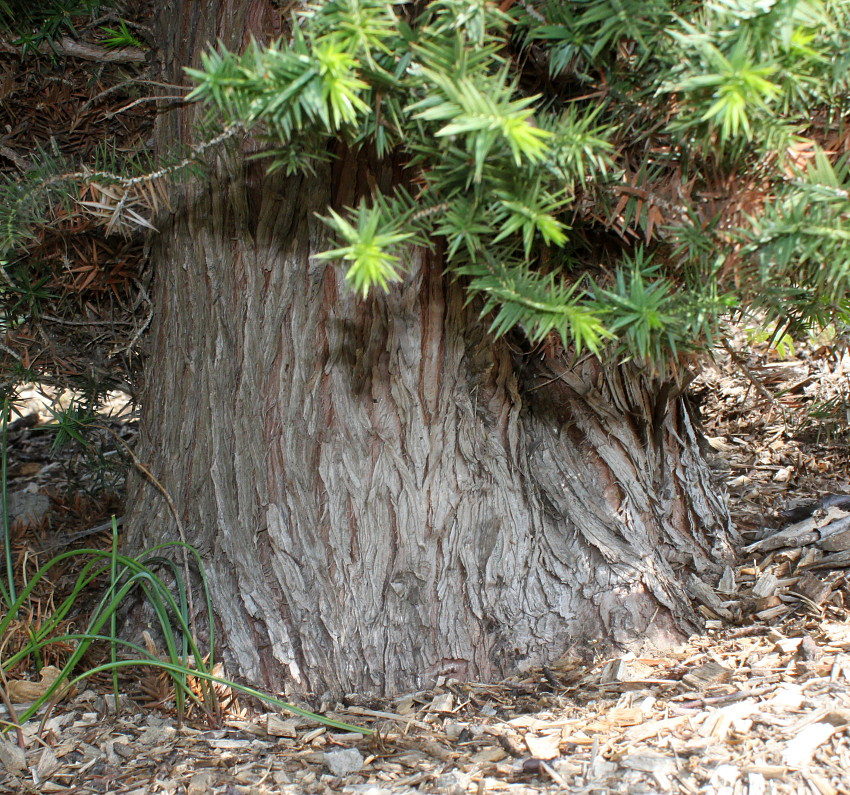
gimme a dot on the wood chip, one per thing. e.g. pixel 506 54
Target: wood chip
pixel 799 751
pixel 836 541
pixel 814 588
pixel 615 671
pixel 490 754
pixel 788 645
pixel 703 593
pixel 649 763
pixel 442 702
pixel 820 784
pixel 719 723
pixel 765 586
pixel 544 746
pixel 278 727
pixel 727 584
pixel 710 673
pixel 767 771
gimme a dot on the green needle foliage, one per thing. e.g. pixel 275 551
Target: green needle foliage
pixel 121 37
pixel 620 173
pixel 368 249
pixel 36 22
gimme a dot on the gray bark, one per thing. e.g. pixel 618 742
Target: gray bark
pixel 381 493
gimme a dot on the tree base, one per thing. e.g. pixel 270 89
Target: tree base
pixel 380 493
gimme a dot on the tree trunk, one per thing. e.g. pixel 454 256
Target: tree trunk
pixel 380 492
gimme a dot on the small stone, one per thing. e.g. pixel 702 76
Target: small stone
pixel 452 783
pixel 453 729
pixel 344 761
pixel 601 768
pixel 725 775
pixel 809 650
pixel 155 735
pixel 27 509
pixel 12 758
pixel 200 783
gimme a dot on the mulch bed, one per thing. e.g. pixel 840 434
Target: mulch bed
pixel 737 710
pixel 760 703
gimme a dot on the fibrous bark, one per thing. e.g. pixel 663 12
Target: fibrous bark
pixel 381 492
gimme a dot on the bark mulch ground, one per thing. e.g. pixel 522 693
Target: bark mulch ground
pixel 752 710
pixel 760 703
pixel 757 704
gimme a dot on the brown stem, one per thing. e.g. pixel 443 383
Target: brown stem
pixel 13 716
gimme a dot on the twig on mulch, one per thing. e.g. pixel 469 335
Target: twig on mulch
pixel 751 377
pixel 79 49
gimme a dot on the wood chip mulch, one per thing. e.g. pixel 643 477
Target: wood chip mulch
pixel 751 710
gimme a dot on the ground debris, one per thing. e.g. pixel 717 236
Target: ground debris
pixel 729 709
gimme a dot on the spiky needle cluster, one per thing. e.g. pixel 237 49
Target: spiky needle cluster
pixel 618 172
